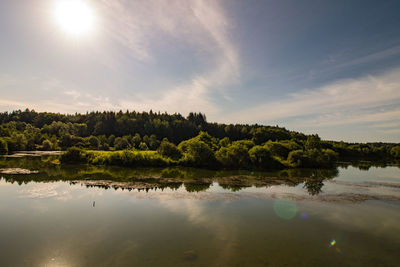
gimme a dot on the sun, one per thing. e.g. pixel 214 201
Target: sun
pixel 75 17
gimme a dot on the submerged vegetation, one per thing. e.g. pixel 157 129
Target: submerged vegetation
pixel 159 139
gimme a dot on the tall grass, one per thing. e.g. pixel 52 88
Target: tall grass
pixel 132 158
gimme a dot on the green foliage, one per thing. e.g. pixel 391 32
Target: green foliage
pixel 395 152
pixel 224 142
pixel 47 145
pixel 277 149
pixel 245 143
pixel 261 158
pixel 153 142
pixel 143 146
pixel 136 140
pixel 169 150
pixel 204 137
pixel 121 143
pixel 94 142
pixel 200 142
pixel 3 146
pixel 312 158
pixel 197 153
pixel 313 142
pixel 235 155
pixel 20 141
pixel 129 158
pixel 73 155
pixel 290 144
pixel 103 143
pixel 111 140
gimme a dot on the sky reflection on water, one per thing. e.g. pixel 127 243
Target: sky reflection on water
pixel 56 224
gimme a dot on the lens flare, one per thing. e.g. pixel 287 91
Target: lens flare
pixel 333 242
pixel 285 209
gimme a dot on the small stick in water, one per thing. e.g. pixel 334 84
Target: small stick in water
pixel 94 203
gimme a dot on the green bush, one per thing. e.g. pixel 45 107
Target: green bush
pixel 234 156
pixel 72 155
pixel 169 150
pixel 277 149
pixel 129 158
pixel 94 142
pixel 312 158
pixel 395 152
pixel 313 142
pixel 47 145
pixel 197 153
pixel 143 146
pixel 3 146
pixel 224 142
pixel 261 158
pixel 297 158
pixel 121 143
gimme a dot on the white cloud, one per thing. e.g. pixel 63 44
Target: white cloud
pixel 388 125
pixel 51 95
pixel 391 131
pixel 199 24
pixel 75 94
pixel 349 101
pixel 130 31
pixel 188 97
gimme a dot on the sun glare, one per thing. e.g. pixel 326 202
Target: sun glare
pixel 75 17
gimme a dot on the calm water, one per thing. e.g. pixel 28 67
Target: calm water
pixel 91 216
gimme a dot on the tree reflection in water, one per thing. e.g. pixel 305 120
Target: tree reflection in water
pixel 145 179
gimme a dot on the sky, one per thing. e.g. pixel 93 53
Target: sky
pixel 315 66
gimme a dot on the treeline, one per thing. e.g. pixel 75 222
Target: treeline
pixel 31 130
pixel 176 140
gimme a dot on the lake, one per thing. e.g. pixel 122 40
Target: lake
pixel 67 215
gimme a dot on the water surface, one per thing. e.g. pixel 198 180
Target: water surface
pixel 108 216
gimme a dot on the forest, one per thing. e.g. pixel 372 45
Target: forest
pixel 159 139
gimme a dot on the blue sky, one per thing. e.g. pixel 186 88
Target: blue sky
pixel 326 67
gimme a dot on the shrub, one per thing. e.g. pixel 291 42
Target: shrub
pixel 234 156
pixel 127 158
pixel 94 142
pixel 244 143
pixel 197 153
pixel 3 146
pixel 224 142
pixel 204 137
pixel 277 149
pixel 395 152
pixel 20 141
pixel 297 158
pixel 121 143
pixel 313 158
pixel 46 145
pixel 169 150
pixel 73 154
pixel 143 146
pixel 261 158
pixel 313 142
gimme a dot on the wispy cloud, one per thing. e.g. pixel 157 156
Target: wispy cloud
pixel 50 95
pixel 390 131
pixel 192 96
pixel 388 124
pixel 201 25
pixel 344 102
pixel 368 58
pixel 130 31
